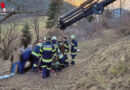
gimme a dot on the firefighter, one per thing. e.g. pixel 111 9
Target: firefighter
pixel 61 53
pixel 55 63
pixel 36 55
pixel 66 45
pixel 39 63
pixel 56 45
pixel 58 60
pixel 47 52
pixel 61 60
pixel 74 45
pixel 44 40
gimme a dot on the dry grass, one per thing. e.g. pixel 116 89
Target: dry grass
pixel 109 65
pixel 118 69
pixel 101 65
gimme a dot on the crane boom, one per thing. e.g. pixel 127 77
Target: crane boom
pixel 84 10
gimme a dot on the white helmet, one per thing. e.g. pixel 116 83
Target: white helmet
pixel 45 38
pixel 54 38
pixel 72 37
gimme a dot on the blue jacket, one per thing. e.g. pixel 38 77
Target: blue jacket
pixel 36 50
pixel 47 52
pixel 66 44
pixel 26 54
pixel 57 50
pixel 74 46
pixel 56 46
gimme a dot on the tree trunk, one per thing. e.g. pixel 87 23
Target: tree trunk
pixel 37 38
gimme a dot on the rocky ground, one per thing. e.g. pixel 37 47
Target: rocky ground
pixel 100 65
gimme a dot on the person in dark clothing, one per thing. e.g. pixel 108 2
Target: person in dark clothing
pixel 66 45
pixel 47 53
pixel 74 45
pixel 36 55
pixel 26 55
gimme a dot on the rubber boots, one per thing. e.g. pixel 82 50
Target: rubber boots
pixel 44 73
pixel 73 63
pixel 48 73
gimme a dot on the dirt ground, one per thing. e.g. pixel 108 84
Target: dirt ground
pixel 34 81
pixel 97 68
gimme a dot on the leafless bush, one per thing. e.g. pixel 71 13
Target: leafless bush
pixel 120 24
pixel 8 39
pixel 85 30
pixel 55 32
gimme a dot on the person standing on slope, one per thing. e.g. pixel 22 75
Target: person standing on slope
pixel 36 55
pixel 15 58
pixel 66 45
pixel 47 53
pixel 55 63
pixel 74 45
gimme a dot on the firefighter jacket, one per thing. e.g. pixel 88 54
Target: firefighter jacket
pixel 47 52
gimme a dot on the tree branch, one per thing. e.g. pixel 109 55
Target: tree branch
pixel 18 12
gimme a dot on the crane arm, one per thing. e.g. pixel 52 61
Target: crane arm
pixel 86 9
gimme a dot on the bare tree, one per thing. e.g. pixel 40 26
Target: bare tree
pixel 7 37
pixel 35 21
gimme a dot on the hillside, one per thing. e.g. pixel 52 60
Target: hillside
pixel 102 64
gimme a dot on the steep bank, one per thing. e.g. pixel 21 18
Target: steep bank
pixel 102 64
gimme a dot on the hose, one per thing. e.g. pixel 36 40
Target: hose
pixel 7 76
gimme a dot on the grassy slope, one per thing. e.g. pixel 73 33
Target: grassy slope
pixel 102 64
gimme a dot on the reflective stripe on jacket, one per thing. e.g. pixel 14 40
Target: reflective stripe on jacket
pixel 56 46
pixel 47 52
pixel 74 46
pixel 36 50
pixel 66 44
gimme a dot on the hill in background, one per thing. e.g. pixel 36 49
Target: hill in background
pixel 34 5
